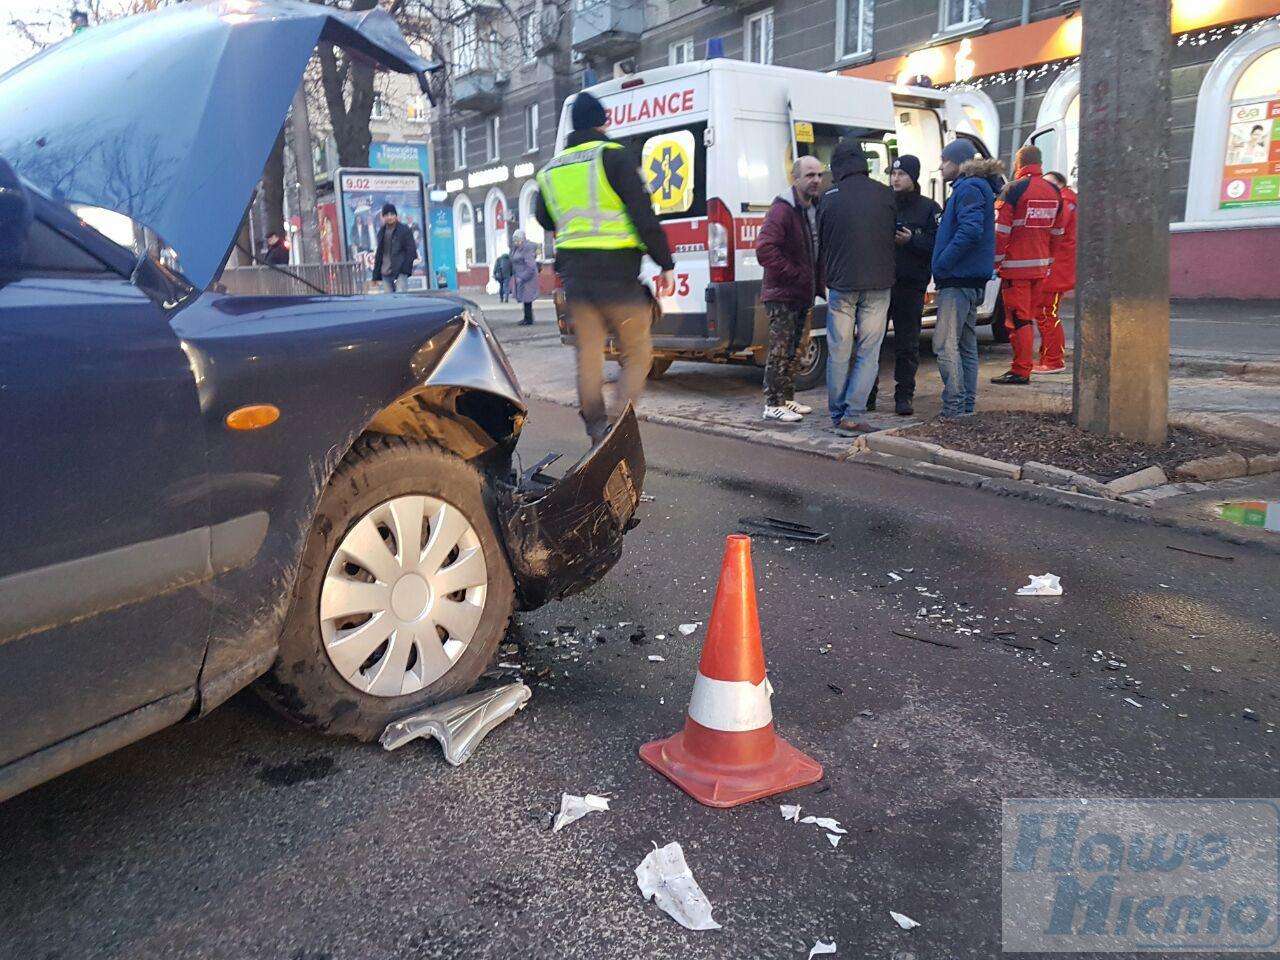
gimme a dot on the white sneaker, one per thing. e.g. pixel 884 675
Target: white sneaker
pixel 797 407
pixel 782 414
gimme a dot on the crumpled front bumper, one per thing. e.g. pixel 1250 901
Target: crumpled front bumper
pixel 563 536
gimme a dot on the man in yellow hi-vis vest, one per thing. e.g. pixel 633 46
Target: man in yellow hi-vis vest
pixel 591 195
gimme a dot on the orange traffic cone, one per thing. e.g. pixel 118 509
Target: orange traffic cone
pixel 727 753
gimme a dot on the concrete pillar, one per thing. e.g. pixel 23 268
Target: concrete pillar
pixel 1122 283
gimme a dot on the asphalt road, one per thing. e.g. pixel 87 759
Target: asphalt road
pixel 243 837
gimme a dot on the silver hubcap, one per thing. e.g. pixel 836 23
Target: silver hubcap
pixel 403 596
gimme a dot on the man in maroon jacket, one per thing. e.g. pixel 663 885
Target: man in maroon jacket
pixel 787 249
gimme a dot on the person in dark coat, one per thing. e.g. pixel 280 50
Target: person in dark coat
pixel 855 238
pixel 502 276
pixel 396 252
pixel 275 252
pixel 914 234
pixel 787 249
pixel 524 265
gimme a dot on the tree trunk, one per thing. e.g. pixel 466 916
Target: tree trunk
pixel 340 78
pixel 273 188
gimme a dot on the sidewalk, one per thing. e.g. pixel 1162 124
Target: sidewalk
pixel 724 398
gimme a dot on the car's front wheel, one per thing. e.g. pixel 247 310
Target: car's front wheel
pixel 403 594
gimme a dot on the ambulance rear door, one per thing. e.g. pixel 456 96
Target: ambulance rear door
pixel 665 125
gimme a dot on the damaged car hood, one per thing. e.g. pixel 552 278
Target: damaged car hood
pixel 168 117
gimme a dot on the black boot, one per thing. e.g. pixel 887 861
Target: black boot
pixel 902 407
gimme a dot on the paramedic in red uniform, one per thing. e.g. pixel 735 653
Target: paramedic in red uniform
pixel 1061 280
pixel 1027 213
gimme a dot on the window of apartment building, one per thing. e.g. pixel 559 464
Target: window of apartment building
pixel 464 46
pixel 680 52
pixel 379 109
pixel 855 27
pixel 459 147
pixel 491 138
pixel 531 128
pixel 956 14
pixel 530 35
pixel 415 109
pixel 758 37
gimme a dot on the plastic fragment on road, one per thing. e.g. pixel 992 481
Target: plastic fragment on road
pixel 1132 701
pixel 1047 585
pixel 826 823
pixel 575 808
pixel 820 948
pixel 459 725
pixel 689 628
pixel 665 878
pixel 835 841
pixel 656 658
pixel 893 576
pixel 790 811
pixel 902 920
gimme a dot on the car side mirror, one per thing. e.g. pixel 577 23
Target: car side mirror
pixel 15 217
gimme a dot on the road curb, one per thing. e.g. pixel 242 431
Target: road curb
pixel 1262 371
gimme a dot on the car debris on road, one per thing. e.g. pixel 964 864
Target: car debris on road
pixel 460 724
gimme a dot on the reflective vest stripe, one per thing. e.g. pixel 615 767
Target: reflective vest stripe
pixel 1016 264
pixel 1001 228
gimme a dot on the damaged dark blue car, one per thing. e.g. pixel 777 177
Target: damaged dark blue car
pixel 203 490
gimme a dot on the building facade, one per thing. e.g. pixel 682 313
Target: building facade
pixel 1015 61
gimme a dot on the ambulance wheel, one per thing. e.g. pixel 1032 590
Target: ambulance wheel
pixel 813 364
pixel 999 332
pixel 660 367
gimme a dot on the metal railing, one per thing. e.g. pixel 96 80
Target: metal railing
pixel 297 279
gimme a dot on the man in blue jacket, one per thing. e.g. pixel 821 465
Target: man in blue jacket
pixel 963 261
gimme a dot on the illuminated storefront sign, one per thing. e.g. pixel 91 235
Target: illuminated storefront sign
pixel 488 177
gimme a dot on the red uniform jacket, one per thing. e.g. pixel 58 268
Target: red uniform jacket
pixel 1026 215
pixel 1062 246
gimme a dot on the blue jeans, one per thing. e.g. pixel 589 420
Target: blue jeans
pixel 955 341
pixel 394 284
pixel 854 319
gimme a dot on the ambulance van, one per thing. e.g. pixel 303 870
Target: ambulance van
pixel 716 140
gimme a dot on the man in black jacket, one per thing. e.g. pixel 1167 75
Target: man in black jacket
pixel 916 230
pixel 855 237
pixel 598 254
pixel 396 252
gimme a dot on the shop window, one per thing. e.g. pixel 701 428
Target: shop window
pixel 464 233
pixel 528 219
pixel 855 27
pixel 1251 166
pixel 758 37
pixel 1235 155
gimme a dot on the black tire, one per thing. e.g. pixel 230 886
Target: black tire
pixel 813 363
pixel 658 369
pixel 999 332
pixel 303 683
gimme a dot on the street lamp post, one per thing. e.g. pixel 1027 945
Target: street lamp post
pixel 1122 294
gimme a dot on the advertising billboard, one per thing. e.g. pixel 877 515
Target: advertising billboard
pixel 360 194
pixel 384 155
pixel 1251 169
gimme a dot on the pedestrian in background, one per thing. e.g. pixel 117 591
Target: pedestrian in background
pixel 787 249
pixel 395 253
pixel 1061 280
pixel 915 231
pixel 855 241
pixel 963 261
pixel 502 276
pixel 591 195
pixel 524 265
pixel 275 252
pixel 1027 213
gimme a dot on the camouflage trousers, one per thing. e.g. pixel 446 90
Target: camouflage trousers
pixel 786 329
